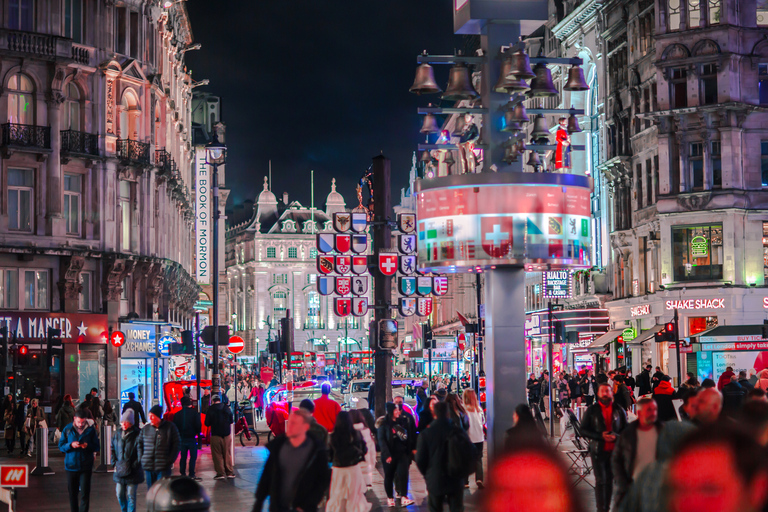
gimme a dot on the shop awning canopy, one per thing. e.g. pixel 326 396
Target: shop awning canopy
pixel 645 335
pixel 599 344
pixel 753 332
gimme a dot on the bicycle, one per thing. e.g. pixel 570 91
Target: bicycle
pixel 245 432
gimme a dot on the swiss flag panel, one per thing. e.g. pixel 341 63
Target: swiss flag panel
pixel 496 235
pixel 388 264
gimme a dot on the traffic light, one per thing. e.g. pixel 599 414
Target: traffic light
pixel 658 337
pixel 429 340
pixel 4 346
pixel 23 355
pixel 559 332
pixel 620 340
pixel 53 338
pixel 286 335
pixel 186 347
pixel 207 335
pixel 273 346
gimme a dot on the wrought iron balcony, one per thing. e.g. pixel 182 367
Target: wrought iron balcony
pixel 133 152
pixel 164 162
pixel 79 143
pixel 26 136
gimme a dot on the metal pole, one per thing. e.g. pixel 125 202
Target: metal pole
pixel 550 368
pixel 474 357
pixel 197 358
pixel 429 359
pixel 458 362
pixel 481 365
pixel 106 364
pixel 677 348
pixel 215 380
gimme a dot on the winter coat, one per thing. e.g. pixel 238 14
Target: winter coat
pixel 10 424
pixel 138 410
pixel 534 390
pixel 65 416
pixel 20 414
pixel 644 382
pixel 624 397
pixel 313 481
pixel 432 457
pixel 664 394
pixel 733 396
pixel 187 421
pixel 158 446
pixel 127 448
pixel 586 382
pixel 79 459
pixel 724 379
pixel 37 415
pixel 623 459
pixel 574 387
pixel 390 443
pixel 348 452
pixel 219 418
pixel 593 426
pixel 762 380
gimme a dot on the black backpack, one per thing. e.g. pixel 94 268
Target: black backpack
pixel 462 454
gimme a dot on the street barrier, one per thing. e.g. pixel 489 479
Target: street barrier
pixel 41 457
pixel 105 454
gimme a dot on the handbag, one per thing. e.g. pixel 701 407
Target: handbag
pixel 28 422
pixel 123 469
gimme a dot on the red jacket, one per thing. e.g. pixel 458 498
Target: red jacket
pixel 326 411
pixel 724 379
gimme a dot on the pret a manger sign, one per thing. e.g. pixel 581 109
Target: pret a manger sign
pixel 695 304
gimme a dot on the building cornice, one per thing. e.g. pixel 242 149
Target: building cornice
pixel 577 20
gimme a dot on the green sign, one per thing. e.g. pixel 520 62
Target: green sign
pixel 629 334
pixel 699 247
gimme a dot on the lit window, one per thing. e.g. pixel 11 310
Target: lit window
pixel 762 12
pixel 313 310
pixel 674 14
pixel 72 201
pixel 714 11
pixel 279 278
pixel 698 253
pixel 20 100
pixel 36 289
pixel 20 199
pixel 694 13
pixel 125 215
pixel 279 304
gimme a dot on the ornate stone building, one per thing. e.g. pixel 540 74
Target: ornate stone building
pixel 95 147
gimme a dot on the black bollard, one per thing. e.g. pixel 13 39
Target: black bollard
pixel 41 457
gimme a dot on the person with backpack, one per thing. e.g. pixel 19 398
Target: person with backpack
pixel 446 457
pixel 395 444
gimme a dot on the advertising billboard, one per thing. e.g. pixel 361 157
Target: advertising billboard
pixel 203 219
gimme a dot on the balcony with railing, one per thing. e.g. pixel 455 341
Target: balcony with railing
pixel 26 136
pixel 164 163
pixel 133 152
pixel 79 143
pixel 45 46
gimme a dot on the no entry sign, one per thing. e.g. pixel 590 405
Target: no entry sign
pixel 236 344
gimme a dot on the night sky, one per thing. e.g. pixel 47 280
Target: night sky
pixel 317 85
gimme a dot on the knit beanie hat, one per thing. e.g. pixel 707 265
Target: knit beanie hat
pixel 127 417
pixel 157 411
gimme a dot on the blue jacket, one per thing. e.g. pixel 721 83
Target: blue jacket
pixel 79 459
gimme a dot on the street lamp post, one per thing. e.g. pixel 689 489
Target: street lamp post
pixel 215 155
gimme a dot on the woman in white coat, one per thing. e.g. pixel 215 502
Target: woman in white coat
pixel 368 466
pixel 347 483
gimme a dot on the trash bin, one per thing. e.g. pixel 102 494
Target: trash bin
pixel 176 494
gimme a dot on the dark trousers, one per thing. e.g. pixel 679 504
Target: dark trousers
pixel 22 440
pixel 479 463
pixel 79 487
pixel 397 473
pixel 590 399
pixel 455 501
pixel 153 476
pixel 601 465
pixel 188 447
pixel 10 440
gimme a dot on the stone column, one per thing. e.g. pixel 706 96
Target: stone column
pixel 69 285
pixel 54 220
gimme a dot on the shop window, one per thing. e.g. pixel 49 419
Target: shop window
pixel 764 161
pixel 72 202
pixel 697 324
pixel 21 100
pixel 72 109
pixel 21 15
pixel 715 9
pixel 698 253
pixel 73 20
pixel 694 13
pixel 293 252
pixel 271 252
pixel 674 14
pixel 696 163
pixel 36 289
pixel 9 289
pixel 21 193
pixel 717 165
pixel 762 12
pixel 708 82
pixel 85 291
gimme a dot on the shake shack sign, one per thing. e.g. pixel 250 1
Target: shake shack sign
pixel 557 284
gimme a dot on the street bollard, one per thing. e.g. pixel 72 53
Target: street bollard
pixel 41 457
pixel 231 446
pixel 105 453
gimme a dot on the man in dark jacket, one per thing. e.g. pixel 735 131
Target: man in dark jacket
pixel 316 430
pixel 601 424
pixel 733 396
pixel 187 421
pixel 158 446
pixel 125 454
pixel 636 448
pixel 534 390
pixel 138 409
pixel 623 396
pixel 421 396
pixel 589 387
pixel 432 461
pixel 657 377
pixel 79 442
pixel 19 416
pixel 296 475
pixel 220 419
pixel 744 381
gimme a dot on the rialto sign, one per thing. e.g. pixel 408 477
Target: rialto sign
pixel 695 304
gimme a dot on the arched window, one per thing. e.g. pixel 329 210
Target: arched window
pixel 21 100
pixel 72 108
pixel 129 116
pixel 279 305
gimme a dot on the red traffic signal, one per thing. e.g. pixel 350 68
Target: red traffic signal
pixel 23 350
pixel 670 327
pixel 620 339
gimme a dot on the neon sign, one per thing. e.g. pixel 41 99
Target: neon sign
pixel 699 247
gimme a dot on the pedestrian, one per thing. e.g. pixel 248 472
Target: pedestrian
pixel 574 388
pixel 691 382
pixel 589 387
pixel 744 381
pixel 422 396
pixel 601 424
pixel 663 394
pixel 125 454
pixel 316 430
pixel 733 397
pixel 97 412
pixel 395 448
pixel 656 378
pixel 623 398
pixel 544 393
pixel 35 417
pixel 220 419
pixel 409 420
pixel 158 446
pixel 476 419
pixel 762 380
pixel 456 411
pixel 725 378
pixel 524 427
pixel 326 409
pixel 534 389
pixel 432 460
pixel 110 416
pixel 296 475
pixel 205 401
pixel 20 417
pixel 368 465
pixel 636 448
pixel 9 426
pixel 347 484
pixel 66 413
pixel 187 422
pixel 563 390
pixel 644 381
pixel 79 442
pixel 138 409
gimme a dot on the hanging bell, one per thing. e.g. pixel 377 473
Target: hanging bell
pixel 458 127
pixel 519 114
pixel 573 125
pixel 459 84
pixel 426 157
pixel 540 128
pixel 541 85
pixel 507 83
pixel 424 83
pixel 510 124
pixel 430 124
pixel 510 153
pixel 448 160
pixel 521 142
pixel 576 80
pixel 521 66
pixel 533 159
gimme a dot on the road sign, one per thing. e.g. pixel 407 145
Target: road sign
pixel 236 344
pixel 163 345
pixel 16 475
pixel 117 338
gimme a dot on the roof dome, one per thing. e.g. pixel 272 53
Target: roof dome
pixel 334 202
pixel 266 197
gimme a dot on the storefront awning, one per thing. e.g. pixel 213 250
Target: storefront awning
pixel 599 344
pixel 645 336
pixel 724 333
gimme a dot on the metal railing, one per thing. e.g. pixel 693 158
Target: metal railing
pixel 163 161
pixel 26 135
pixel 133 151
pixel 81 143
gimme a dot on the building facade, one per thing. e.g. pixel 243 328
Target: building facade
pixel 95 211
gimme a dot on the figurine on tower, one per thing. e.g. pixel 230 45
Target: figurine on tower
pixel 563 151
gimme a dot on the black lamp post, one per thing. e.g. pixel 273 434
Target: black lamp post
pixel 215 155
